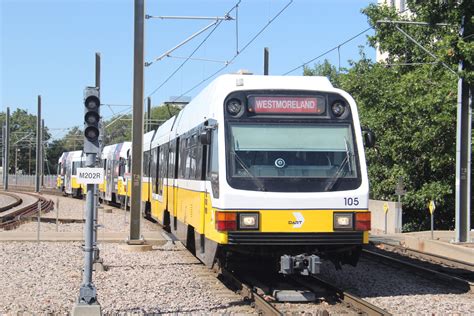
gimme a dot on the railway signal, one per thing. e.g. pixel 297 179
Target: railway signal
pixel 91 120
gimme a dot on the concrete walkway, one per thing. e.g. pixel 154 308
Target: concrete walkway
pixel 441 245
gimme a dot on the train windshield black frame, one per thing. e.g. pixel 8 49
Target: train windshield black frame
pixel 291 157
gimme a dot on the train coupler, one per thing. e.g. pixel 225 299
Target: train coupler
pixel 300 264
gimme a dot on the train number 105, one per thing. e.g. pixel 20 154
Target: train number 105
pixel 348 201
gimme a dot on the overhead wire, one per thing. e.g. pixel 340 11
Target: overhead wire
pixel 192 53
pixel 337 47
pixel 238 53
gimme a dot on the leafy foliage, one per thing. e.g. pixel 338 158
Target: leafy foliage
pixel 411 108
pixel 23 140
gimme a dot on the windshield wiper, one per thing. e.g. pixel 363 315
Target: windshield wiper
pixel 254 178
pixel 340 172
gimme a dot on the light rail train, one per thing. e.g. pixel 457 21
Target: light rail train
pixel 264 167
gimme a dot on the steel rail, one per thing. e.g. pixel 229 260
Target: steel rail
pixel 344 296
pixel 19 216
pixel 462 284
pixel 17 201
pixel 412 253
pixel 248 293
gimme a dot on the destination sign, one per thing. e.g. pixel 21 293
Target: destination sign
pixel 286 105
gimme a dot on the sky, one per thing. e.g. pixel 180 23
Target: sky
pixel 48 48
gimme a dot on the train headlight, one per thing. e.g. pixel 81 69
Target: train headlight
pixel 343 221
pixel 234 107
pixel 338 108
pixel 248 221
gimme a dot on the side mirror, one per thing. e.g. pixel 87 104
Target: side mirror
pixel 369 138
pixel 205 137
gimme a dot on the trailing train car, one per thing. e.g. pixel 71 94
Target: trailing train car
pixel 146 179
pixel 123 187
pixel 73 160
pixel 266 167
pixel 115 163
pixel 61 172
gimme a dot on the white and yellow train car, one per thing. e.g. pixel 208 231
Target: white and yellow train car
pixel 61 171
pixel 115 163
pixel 73 160
pixel 264 166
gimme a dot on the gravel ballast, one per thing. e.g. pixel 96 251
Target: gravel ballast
pixel 399 291
pixel 45 277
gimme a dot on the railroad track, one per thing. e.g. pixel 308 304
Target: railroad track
pixel 263 302
pixel 430 271
pixel 14 217
pixel 415 254
pixel 17 201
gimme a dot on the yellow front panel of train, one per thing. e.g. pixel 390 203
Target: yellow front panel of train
pixel 74 183
pixel 120 187
pixel 296 221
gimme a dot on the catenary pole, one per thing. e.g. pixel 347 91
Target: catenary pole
pixel 38 146
pixel 42 158
pixel 137 123
pixel 463 149
pixel 7 149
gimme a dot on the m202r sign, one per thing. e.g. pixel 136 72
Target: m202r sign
pixel 90 175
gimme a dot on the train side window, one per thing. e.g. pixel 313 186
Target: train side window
pixel 121 167
pixel 213 155
pixel 146 163
pixel 163 171
pixel 182 159
pixel 171 159
pixel 156 169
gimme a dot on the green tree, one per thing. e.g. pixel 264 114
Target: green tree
pixel 23 141
pixel 119 128
pixel 429 92
pixel 325 69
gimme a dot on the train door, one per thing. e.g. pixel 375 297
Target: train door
pixel 68 177
pixel 162 175
pixel 102 188
pixel 109 180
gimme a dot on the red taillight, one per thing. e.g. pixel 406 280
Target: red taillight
pixel 226 221
pixel 362 221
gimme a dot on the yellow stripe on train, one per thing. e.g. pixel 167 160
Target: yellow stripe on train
pixel 191 209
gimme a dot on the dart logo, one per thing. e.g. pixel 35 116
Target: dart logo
pixel 299 220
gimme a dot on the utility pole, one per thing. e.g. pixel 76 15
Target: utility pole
pixel 29 158
pixel 137 123
pixel 42 154
pixel 38 146
pixel 7 149
pixel 148 115
pixel 266 57
pixel 463 148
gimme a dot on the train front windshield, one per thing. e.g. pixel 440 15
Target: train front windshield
pixel 292 157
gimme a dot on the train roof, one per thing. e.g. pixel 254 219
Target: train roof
pixel 75 155
pixel 208 103
pixel 125 148
pixel 107 150
pixel 147 139
pixel 163 132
